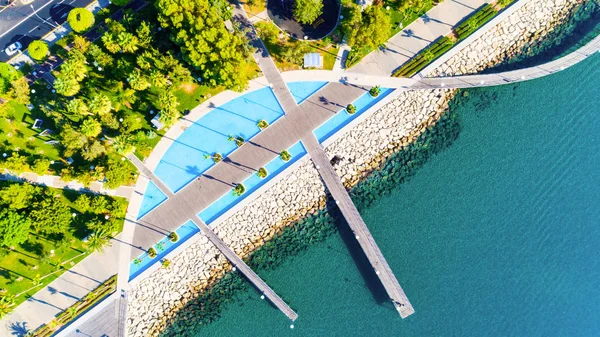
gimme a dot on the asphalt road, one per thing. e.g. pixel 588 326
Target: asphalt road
pixel 19 23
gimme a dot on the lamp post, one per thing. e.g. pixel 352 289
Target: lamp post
pixel 44 20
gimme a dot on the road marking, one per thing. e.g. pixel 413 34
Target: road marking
pixel 27 18
pixel 34 28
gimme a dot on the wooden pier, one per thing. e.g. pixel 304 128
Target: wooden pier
pixel 245 270
pixel 357 225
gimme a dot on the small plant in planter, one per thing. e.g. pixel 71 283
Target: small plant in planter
pixel 238 190
pixel 160 246
pixel 262 173
pixel 285 155
pixel 137 261
pixel 151 252
pixel 262 124
pixel 351 109
pixel 375 91
pixel 239 140
pixel 165 263
pixel 173 237
pixel 217 157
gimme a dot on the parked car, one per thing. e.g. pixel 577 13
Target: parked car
pixel 13 48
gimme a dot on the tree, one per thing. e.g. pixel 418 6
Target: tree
pixel 307 11
pixel 100 105
pixel 74 68
pixel 205 42
pixel 78 107
pixel 144 34
pixel 91 127
pixel 81 43
pixel 119 173
pixel 66 86
pixel 132 123
pixel 120 3
pixel 137 81
pixel 16 163
pixel 128 42
pixel 93 151
pixel 38 50
pixel 80 19
pixel 41 166
pixel 14 228
pixel 19 91
pixel 168 103
pixel 98 240
pixel 72 139
pixel 51 215
pixel 157 79
pixel 19 196
pixel 6 304
pixel 367 28
pixel 82 203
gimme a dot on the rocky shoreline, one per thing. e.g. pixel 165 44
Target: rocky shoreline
pixel 366 154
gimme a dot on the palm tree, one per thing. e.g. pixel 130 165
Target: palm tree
pixel 123 96
pixel 74 68
pixel 6 303
pixel 98 241
pixel 66 86
pixel 128 42
pixel 100 105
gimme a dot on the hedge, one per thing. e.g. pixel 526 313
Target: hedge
pixel 475 21
pixel 421 60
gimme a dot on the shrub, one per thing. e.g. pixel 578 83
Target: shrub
pixel 420 61
pixel 285 155
pixel 238 190
pixel 262 173
pixel 263 124
pixel 351 109
pixel 239 140
pixel 375 91
pixel 173 237
pixel 137 261
pixel 166 263
pixel 119 3
pixel 151 252
pixel 475 21
pixel 80 19
pixel 38 50
pixel 217 157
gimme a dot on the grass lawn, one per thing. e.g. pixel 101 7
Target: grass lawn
pixel 34 258
pixel 17 134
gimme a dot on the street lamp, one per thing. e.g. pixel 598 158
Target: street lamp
pixel 44 20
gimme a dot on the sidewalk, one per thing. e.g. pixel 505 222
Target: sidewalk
pixel 403 46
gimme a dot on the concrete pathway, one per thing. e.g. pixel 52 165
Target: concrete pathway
pixel 340 59
pixel 56 182
pixel 403 46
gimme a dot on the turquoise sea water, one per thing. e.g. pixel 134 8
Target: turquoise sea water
pixel 499 235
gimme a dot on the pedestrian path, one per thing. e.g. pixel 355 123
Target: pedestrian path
pixel 403 46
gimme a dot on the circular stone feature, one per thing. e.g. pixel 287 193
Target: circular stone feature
pixel 281 12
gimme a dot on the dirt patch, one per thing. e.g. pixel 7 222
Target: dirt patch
pixel 188 87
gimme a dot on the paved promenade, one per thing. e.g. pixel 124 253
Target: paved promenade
pixel 403 46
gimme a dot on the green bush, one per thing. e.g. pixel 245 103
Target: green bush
pixel 38 50
pixel 424 58
pixel 119 3
pixel 239 190
pixel 173 237
pixel 262 173
pixel 475 21
pixel 80 19
pixel 351 108
pixel 151 252
pixel 285 155
pixel 263 124
pixel 375 91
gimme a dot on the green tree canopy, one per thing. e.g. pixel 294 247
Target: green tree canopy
pixel 80 19
pixel 91 127
pixel 51 215
pixel 66 86
pixel 38 50
pixel 199 30
pixel 307 11
pixel 368 28
pixel 19 196
pixel 14 228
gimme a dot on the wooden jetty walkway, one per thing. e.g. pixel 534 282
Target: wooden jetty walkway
pixel 358 226
pixel 183 208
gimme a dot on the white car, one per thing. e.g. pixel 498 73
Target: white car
pixel 13 48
